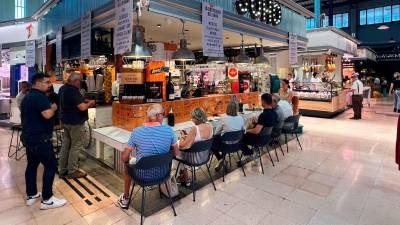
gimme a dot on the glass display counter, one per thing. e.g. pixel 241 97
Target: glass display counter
pixel 320 99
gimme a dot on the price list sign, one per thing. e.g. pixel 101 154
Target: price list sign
pixel 58 46
pixel 30 53
pixel 44 47
pixel 292 49
pixel 123 29
pixel 86 26
pixel 212 21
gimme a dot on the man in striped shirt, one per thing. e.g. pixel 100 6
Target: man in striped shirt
pixel 152 138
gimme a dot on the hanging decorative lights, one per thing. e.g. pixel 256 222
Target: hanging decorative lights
pixel 267 11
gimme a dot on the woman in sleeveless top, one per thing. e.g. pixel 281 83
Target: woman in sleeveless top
pixel 284 92
pixel 200 132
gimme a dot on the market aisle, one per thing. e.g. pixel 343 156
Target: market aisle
pixel 345 175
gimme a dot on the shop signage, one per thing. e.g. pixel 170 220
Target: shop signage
pixel 267 11
pixel 123 29
pixel 86 35
pixel 388 57
pixel 44 47
pixel 212 21
pixel 30 53
pixel 292 49
pixel 233 73
pixel 158 51
pixel 59 46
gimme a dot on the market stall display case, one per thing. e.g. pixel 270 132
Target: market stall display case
pixel 322 99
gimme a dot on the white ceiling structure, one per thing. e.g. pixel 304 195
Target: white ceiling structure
pixel 161 28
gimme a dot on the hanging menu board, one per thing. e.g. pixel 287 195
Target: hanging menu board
pixel 212 21
pixel 58 46
pixel 44 47
pixel 86 26
pixel 292 49
pixel 30 53
pixel 123 29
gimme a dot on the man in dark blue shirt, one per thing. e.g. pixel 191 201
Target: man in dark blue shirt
pixel 268 118
pixel 37 117
pixel 74 113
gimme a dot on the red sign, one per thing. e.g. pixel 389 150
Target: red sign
pixel 233 73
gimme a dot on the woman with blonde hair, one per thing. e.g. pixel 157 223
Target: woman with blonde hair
pixel 200 132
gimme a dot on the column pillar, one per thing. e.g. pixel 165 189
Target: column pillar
pixel 331 13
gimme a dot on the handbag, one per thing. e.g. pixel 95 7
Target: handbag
pixel 172 186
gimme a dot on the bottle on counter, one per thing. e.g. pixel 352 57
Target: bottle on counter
pixel 171 118
pixel 170 89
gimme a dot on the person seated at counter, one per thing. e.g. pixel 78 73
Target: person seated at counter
pixel 228 123
pixel 268 118
pixel 283 109
pixel 200 132
pixel 152 138
pixel 284 92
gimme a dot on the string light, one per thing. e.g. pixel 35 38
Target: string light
pixel 268 11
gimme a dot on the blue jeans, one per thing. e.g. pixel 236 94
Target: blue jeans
pixel 40 153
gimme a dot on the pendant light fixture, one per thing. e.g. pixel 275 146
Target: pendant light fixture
pixel 242 58
pixel 261 59
pixel 183 53
pixel 139 49
pixel 217 60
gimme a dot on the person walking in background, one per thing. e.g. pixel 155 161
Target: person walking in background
pixel 384 86
pixel 37 116
pixel 24 91
pixel 74 113
pixel 395 91
pixel 357 97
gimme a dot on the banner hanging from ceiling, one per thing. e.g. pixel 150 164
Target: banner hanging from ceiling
pixel 59 46
pixel 44 50
pixel 292 49
pixel 30 53
pixel 86 35
pixel 123 29
pixel 213 30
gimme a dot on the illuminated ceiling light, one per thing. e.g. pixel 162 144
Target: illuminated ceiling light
pixel 183 53
pixel 383 27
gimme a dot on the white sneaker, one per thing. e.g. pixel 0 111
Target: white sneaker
pixel 52 203
pixel 123 202
pixel 30 200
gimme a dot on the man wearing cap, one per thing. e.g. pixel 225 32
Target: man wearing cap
pixel 357 98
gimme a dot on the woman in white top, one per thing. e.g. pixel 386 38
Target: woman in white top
pixel 200 132
pixel 231 122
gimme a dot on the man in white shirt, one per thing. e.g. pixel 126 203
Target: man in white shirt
pixel 357 98
pixel 24 90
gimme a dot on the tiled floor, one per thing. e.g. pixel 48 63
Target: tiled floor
pixel 345 175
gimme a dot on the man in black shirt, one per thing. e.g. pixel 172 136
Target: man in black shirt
pixel 268 118
pixel 37 117
pixel 74 113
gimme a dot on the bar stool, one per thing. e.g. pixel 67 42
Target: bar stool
pixel 16 146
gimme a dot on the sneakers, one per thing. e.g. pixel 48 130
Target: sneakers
pixel 123 202
pixel 30 200
pixel 77 174
pixel 52 203
pixel 219 165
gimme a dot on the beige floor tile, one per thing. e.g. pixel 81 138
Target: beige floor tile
pixel 297 171
pixel 323 179
pixel 28 222
pixel 264 200
pixel 15 216
pixel 316 188
pixel 106 216
pixel 295 212
pixel 326 219
pixel 63 215
pixel 10 203
pixel 80 221
pixel 274 219
pixel 246 212
pixel 289 180
pixel 307 199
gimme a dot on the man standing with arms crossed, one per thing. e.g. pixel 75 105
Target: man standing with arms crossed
pixel 37 117
pixel 74 113
pixel 357 98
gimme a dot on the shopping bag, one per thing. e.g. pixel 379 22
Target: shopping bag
pixel 172 186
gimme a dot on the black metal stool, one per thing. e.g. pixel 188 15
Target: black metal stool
pixel 17 147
